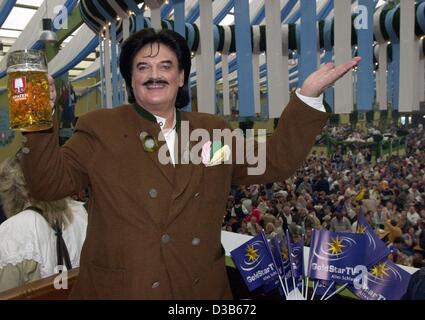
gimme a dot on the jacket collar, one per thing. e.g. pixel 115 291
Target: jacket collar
pixel 151 118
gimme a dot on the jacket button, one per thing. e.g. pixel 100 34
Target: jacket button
pixel 165 238
pixel 195 241
pixel 153 193
pixel 196 281
pixel 25 150
pixel 155 285
pixel 196 196
pixel 24 139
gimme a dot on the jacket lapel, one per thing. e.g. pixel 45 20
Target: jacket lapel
pixel 151 127
pixel 166 169
pixel 188 176
pixel 185 172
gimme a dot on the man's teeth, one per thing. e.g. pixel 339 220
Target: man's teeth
pixel 156 86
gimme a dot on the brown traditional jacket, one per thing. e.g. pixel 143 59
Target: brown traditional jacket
pixel 154 230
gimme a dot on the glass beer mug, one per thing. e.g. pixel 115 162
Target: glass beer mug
pixel 28 91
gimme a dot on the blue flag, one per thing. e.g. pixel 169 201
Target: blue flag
pixel 296 256
pixel 320 285
pixel 385 281
pixel 280 245
pixel 279 249
pixel 335 256
pixel 377 250
pixel 254 261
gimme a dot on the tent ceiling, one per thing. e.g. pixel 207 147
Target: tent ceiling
pixel 16 22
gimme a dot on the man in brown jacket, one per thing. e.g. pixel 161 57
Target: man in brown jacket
pixel 154 229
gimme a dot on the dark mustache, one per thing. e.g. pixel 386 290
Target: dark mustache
pixel 154 81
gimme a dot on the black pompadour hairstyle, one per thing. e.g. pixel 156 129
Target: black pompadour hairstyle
pixel 173 41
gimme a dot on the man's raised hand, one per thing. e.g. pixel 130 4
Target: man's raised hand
pixel 325 77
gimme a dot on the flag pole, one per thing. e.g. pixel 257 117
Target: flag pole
pixel 274 262
pixel 288 240
pixel 283 287
pixel 302 287
pixel 286 284
pixel 336 291
pixel 327 290
pixel 306 289
pixel 314 290
pixel 295 287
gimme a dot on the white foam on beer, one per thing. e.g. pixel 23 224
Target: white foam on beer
pixel 26 67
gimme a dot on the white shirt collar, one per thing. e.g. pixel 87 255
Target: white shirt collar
pixel 161 121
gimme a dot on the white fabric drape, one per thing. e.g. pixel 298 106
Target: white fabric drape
pixel 256 68
pixel 205 58
pixel 407 55
pixel 342 31
pixel 277 60
pixel 155 8
pixel 225 70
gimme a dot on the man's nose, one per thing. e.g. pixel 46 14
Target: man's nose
pixel 154 72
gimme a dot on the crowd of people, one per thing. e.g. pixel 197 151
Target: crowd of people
pixel 331 192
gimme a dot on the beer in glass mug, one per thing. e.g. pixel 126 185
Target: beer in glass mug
pixel 28 91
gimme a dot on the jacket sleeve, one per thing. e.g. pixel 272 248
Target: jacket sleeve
pixel 286 149
pixel 53 172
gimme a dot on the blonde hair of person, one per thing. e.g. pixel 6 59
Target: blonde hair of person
pixel 15 197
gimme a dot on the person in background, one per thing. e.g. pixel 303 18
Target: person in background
pixel 68 100
pixel 327 222
pixel 392 228
pixel 340 223
pixel 416 287
pixel 35 230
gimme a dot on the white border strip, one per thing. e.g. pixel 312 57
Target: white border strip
pixel 344 96
pixel 277 71
pixel 407 55
pixel 381 77
pixel 205 58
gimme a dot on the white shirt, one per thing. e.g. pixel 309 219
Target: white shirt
pixel 28 236
pixel 170 135
pixel 413 217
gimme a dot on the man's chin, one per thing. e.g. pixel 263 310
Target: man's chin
pixel 153 104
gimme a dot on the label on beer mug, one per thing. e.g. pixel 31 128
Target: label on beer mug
pixel 19 87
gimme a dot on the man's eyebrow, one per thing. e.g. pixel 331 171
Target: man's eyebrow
pixel 141 64
pixel 161 62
